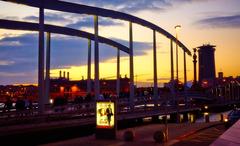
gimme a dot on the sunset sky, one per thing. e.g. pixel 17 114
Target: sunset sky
pixel 203 21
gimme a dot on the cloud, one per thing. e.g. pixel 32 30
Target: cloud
pixel 10 43
pixel 6 74
pixel 163 52
pixel 73 51
pixel 134 5
pixel 6 62
pixel 190 1
pixel 73 20
pixel 232 21
pixel 8 78
pixel 159 79
pixel 9 17
pixel 51 17
pixel 66 51
pixel 89 22
pixel 24 56
pixel 31 18
pixel 126 5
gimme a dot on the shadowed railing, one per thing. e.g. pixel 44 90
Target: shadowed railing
pixel 143 108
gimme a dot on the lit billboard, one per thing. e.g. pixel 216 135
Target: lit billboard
pixel 105 114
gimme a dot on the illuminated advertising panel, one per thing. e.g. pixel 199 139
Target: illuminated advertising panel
pixel 105 114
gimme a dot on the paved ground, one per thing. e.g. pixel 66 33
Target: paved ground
pixel 203 137
pixel 143 136
pixel 231 137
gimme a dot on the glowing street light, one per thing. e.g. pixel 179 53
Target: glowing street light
pixel 206 107
pixel 51 101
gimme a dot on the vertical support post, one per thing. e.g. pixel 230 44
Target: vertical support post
pixel 177 79
pixel 220 93
pixel 185 68
pixel 47 76
pixel 131 67
pixel 177 59
pixel 155 90
pixel 96 59
pixel 118 73
pixel 172 65
pixel 89 68
pixel 238 91
pixel 195 66
pixel 41 60
pixel 172 72
pixel 225 93
pixel 185 77
pixel 229 92
pixel 233 89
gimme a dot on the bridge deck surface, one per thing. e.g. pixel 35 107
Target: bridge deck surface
pixel 230 137
pixel 46 123
pixel 143 135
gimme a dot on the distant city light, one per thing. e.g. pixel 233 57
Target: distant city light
pixel 205 107
pixel 225 120
pixel 51 101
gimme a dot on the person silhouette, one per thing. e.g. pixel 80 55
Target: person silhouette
pixel 109 114
pixel 8 104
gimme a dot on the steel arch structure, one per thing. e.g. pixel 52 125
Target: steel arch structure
pixel 18 25
pixel 83 9
pixel 28 26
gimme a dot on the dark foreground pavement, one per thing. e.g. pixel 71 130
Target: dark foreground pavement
pixel 143 136
pixel 203 137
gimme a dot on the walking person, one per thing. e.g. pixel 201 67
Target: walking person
pixel 109 114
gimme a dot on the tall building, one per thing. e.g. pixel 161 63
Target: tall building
pixel 206 62
pixel 220 75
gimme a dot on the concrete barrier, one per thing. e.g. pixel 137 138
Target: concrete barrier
pixel 207 118
pixel 221 118
pixel 128 135
pixel 159 136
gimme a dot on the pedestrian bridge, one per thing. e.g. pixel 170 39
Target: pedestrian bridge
pixel 41 27
pixel 82 115
pixel 83 111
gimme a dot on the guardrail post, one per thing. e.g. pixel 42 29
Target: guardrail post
pixel 41 60
pixel 96 59
pixel 89 87
pixel 155 90
pixel 131 67
pixel 118 73
pixel 47 76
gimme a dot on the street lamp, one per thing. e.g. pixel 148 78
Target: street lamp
pixel 177 27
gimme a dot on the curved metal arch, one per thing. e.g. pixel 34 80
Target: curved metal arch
pixel 17 25
pixel 83 9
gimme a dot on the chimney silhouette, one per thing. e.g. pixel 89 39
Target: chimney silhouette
pixel 68 75
pixel 60 74
pixel 64 74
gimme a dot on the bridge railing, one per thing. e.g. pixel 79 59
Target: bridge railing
pixel 83 110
